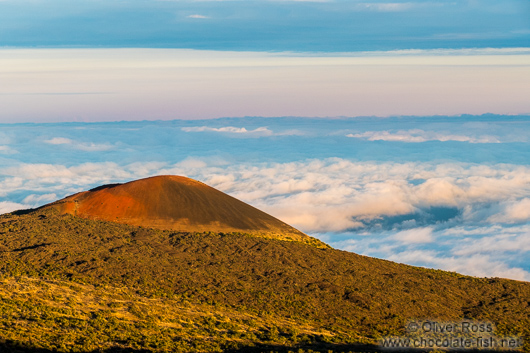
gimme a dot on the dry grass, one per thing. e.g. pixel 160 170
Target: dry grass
pixel 73 284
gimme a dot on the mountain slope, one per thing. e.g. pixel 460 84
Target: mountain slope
pixel 227 290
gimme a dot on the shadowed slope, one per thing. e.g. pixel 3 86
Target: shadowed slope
pixel 174 203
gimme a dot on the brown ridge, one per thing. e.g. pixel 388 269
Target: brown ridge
pixel 175 203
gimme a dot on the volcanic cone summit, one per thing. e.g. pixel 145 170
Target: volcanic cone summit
pixel 174 203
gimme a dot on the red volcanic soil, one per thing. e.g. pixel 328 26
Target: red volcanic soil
pixel 176 203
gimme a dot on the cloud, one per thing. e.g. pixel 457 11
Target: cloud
pixel 7 206
pixel 490 255
pixel 503 240
pixel 387 7
pixel 513 212
pixel 59 179
pixel 417 135
pixel 328 195
pixel 300 0
pixel 89 147
pixel 5 140
pixel 476 265
pixel 417 235
pixel 7 150
pixel 198 16
pixel 444 191
pixel 260 131
pixel 36 200
pixel 359 192
pixel 354 193
pixel 59 141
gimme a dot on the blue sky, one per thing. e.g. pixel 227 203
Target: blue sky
pixel 263 25
pixel 395 129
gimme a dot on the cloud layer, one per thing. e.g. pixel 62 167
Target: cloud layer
pixel 79 145
pixel 455 203
pixel 352 195
pixel 260 131
pixel 383 203
pixel 418 135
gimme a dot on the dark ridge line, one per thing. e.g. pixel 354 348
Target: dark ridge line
pixel 106 186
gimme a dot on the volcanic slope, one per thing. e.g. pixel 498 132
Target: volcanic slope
pixel 83 284
pixel 175 203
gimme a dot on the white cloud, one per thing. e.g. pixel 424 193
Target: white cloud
pixel 387 7
pixel 59 141
pixel 484 254
pixel 416 235
pixel 144 169
pixel 506 240
pixel 513 212
pixel 7 185
pixel 260 131
pixel 417 135
pixel 89 147
pixel 7 150
pixel 363 191
pixel 439 192
pixel 300 0
pixel 7 206
pixel 36 200
pixel 198 16
pixel 462 231
pixel 62 180
pixel 477 265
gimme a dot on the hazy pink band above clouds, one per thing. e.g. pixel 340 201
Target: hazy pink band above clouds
pixel 139 84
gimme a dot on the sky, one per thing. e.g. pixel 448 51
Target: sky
pixel 94 60
pixel 267 25
pixel 56 85
pixel 394 129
